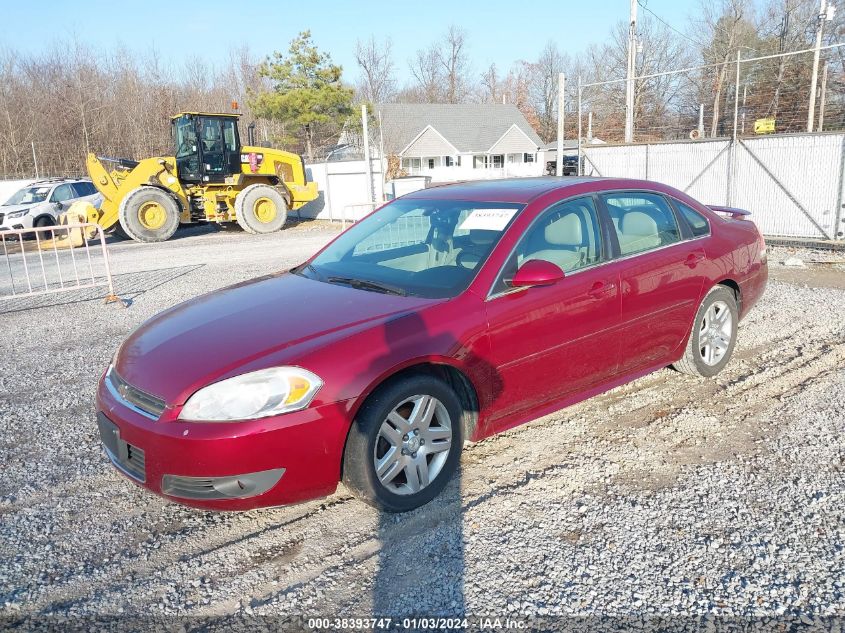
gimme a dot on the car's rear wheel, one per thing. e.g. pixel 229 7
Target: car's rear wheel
pixel 713 337
pixel 405 443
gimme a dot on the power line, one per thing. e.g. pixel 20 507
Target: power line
pixel 643 4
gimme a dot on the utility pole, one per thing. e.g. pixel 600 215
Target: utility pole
pixel 34 159
pixel 561 85
pixel 632 65
pixel 736 90
pixel 825 13
pixel 367 152
pixel 823 97
pixel 578 167
pixel 700 120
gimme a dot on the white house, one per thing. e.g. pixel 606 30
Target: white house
pixel 461 141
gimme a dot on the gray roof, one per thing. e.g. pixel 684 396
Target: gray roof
pixel 470 127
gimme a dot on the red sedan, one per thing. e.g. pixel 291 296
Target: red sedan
pixel 447 315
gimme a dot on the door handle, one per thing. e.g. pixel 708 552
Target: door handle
pixel 600 289
pixel 693 259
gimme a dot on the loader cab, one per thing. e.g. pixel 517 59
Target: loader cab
pixel 207 147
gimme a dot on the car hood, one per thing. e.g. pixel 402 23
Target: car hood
pixel 262 322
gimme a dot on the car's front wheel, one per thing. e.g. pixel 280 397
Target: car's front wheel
pixel 405 443
pixel 713 337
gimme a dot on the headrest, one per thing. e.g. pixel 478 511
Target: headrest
pixel 565 231
pixel 482 237
pixel 638 223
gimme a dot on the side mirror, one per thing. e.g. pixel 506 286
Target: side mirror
pixel 537 272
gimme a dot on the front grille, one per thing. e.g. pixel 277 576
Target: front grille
pixel 2 215
pixel 125 456
pixel 135 459
pixel 140 400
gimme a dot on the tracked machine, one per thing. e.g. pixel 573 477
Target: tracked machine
pixel 210 178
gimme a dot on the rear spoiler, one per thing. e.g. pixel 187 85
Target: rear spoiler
pixel 736 214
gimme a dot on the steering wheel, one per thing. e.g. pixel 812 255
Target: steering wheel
pixel 468 259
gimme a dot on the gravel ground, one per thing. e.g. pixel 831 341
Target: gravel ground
pixel 669 497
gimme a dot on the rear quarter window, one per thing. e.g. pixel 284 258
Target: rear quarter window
pixel 697 222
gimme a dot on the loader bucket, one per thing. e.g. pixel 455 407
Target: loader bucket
pixel 80 212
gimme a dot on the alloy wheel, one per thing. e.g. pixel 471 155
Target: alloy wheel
pixel 715 333
pixel 413 444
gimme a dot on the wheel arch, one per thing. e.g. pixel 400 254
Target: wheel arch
pixel 734 286
pixel 445 369
pixel 42 216
pixel 175 196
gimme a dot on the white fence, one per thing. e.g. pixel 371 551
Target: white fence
pixel 792 183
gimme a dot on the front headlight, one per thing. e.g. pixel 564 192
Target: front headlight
pixel 257 394
pixel 18 214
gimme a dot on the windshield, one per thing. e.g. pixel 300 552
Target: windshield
pixel 427 248
pixel 28 195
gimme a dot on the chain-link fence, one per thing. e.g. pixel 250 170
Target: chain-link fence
pixel 749 95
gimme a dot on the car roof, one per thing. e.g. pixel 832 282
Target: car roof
pixel 524 190
pixel 56 181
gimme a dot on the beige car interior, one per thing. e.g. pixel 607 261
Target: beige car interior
pixel 642 227
pixel 567 238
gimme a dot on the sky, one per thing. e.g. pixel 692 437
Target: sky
pixel 499 31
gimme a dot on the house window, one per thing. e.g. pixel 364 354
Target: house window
pixel 431 163
pixel 528 158
pixel 479 162
pixel 498 161
pixel 448 161
pixel 411 165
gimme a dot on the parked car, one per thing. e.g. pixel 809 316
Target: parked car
pixel 40 203
pixel 570 166
pixel 450 314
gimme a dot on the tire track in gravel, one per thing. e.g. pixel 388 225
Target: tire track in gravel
pixel 337 536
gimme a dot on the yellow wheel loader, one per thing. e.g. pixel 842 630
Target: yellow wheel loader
pixel 210 178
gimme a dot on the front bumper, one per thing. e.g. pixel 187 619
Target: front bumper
pixel 12 224
pixel 227 466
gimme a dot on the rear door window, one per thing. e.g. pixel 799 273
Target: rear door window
pixel 62 193
pixel 642 221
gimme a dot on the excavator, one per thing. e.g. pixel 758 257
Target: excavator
pixel 210 178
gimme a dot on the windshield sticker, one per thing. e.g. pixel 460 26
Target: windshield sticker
pixel 487 220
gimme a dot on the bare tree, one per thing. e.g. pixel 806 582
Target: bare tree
pixel 427 71
pixel 724 26
pixel 453 59
pixel 491 88
pixel 377 82
pixel 544 89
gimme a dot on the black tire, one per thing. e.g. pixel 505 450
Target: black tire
pixel 40 222
pixel 118 231
pixel 692 362
pixel 250 206
pixel 133 211
pixel 359 470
